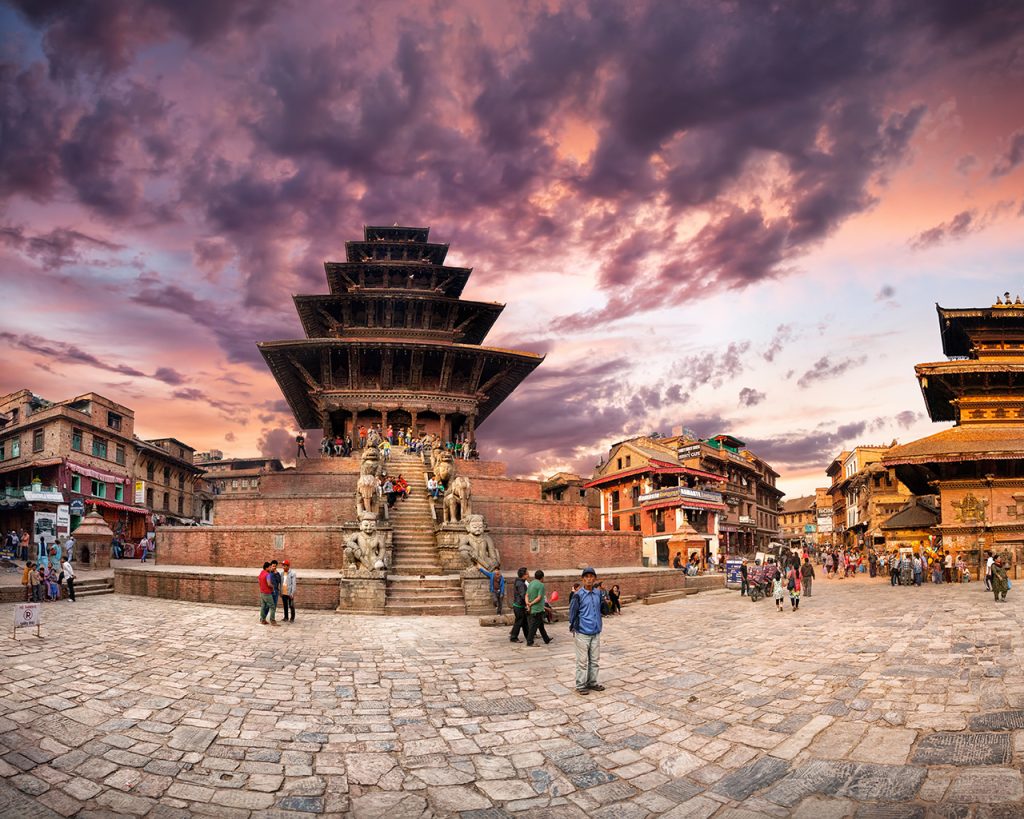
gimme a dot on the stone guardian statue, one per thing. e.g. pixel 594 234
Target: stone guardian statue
pixel 366 550
pixel 477 546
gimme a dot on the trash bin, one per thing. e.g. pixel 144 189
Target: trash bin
pixel 647 561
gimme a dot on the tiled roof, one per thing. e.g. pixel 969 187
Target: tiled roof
pixel 918 514
pixel 974 442
pixel 798 505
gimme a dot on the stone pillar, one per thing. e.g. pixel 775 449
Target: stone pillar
pixel 443 418
pixel 354 431
pixel 383 423
pixel 414 429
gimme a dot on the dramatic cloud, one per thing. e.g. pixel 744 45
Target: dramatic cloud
pixel 711 367
pixel 1012 158
pixel 56 248
pixel 783 335
pixel 66 353
pixel 749 397
pixel 825 368
pixel 960 225
pixel 806 449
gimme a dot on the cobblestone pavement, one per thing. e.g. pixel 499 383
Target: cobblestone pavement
pixel 869 702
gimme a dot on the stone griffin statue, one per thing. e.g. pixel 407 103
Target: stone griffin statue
pixel 373 438
pixel 367 498
pixel 366 549
pixel 477 546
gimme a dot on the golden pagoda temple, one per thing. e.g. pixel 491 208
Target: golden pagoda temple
pixel 393 343
pixel 977 466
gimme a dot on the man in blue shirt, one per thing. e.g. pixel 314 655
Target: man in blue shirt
pixel 496 586
pixel 585 624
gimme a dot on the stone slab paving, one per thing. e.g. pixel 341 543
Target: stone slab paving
pixel 868 702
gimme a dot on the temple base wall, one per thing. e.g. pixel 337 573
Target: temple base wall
pixel 358 595
pixel 224 589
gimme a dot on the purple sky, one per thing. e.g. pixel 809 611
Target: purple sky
pixel 735 217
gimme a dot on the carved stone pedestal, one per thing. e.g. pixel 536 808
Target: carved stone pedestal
pixel 478 597
pixel 363 595
pixel 452 561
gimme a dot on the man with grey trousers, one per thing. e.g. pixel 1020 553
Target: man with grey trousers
pixel 585 625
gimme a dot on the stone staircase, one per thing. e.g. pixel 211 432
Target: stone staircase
pixel 89 588
pixel 415 583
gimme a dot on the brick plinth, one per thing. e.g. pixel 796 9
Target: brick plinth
pixel 225 589
pixel 558 549
pixel 362 595
pixel 307 547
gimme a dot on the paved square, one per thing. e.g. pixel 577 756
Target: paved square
pixel 868 701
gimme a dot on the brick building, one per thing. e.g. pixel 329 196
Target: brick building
pixel 865 493
pixel 568 487
pixel 824 517
pixel 663 486
pixel 798 522
pixel 237 476
pixel 57 459
pixel 165 479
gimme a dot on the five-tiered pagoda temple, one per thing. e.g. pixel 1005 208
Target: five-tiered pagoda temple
pixel 393 343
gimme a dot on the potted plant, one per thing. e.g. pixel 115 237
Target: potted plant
pixel 37 483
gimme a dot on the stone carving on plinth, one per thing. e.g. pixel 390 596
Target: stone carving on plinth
pixel 476 546
pixel 366 551
pixel 367 494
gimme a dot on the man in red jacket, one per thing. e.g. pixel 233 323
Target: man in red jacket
pixel 267 604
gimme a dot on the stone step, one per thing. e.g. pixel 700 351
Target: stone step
pixel 426 609
pixel 412 570
pixel 425 595
pixel 667 595
pixel 93 592
pixel 448 581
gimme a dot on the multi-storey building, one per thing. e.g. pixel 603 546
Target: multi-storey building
pixel 59 458
pixel 823 513
pixel 866 494
pixel 679 485
pixel 798 522
pixel 165 479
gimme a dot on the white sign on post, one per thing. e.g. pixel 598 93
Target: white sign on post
pixel 63 519
pixel 27 615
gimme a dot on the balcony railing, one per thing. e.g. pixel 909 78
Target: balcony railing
pixel 13 492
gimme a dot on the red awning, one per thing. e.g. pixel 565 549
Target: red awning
pixel 96 474
pixel 123 507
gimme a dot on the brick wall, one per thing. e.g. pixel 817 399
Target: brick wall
pixel 557 549
pixel 531 514
pixel 488 487
pixel 307 547
pixel 231 590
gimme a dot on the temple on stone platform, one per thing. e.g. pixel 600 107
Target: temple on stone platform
pixel 394 343
pixel 977 466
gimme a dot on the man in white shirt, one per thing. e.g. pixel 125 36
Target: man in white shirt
pixel 69 577
pixel 988 572
pixel 69 547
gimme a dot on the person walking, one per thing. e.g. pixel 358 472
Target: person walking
pixel 519 606
pixel 69 577
pixel 793 586
pixel 807 575
pixel 268 608
pixel 585 623
pixel 535 604
pixel 918 568
pixel 778 589
pixel 1000 582
pixel 300 444
pixel 496 586
pixel 287 591
pixel 744 579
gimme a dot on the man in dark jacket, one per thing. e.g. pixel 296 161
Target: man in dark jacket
pixel 519 606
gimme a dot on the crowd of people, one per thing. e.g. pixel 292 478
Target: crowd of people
pixel 386 438
pixel 46 583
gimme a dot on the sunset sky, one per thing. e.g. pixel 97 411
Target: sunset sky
pixel 735 217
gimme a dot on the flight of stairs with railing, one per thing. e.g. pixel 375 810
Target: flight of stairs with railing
pixel 416 583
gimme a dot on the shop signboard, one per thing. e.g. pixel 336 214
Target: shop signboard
pixel 681 492
pixel 732 572
pixel 825 521
pixel 684 453
pixel 63 519
pixel 140 493
pixel 77 507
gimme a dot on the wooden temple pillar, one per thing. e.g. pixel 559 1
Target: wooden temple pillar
pixel 444 430
pixel 413 429
pixel 354 431
pixel 470 427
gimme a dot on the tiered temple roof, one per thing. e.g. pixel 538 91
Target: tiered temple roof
pixel 393 342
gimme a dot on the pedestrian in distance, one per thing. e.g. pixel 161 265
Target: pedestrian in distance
pixel 287 591
pixel 26 581
pixel 535 604
pixel 69 577
pixel 918 568
pixel 988 571
pixel 519 606
pixel 585 621
pixel 300 444
pixel 793 585
pixel 275 582
pixel 807 575
pixel 268 608
pixel 744 579
pixel 614 600
pixel 1000 582
pixel 778 589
